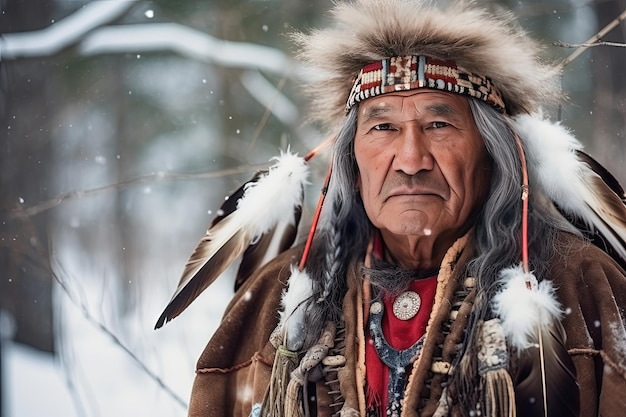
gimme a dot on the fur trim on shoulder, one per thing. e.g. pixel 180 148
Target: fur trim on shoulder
pixel 486 43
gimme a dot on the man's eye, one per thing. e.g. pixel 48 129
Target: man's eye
pixel 382 126
pixel 439 125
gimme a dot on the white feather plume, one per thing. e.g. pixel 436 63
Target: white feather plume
pixel 294 307
pixel 523 310
pixel 265 202
pixel 550 151
pixel 556 166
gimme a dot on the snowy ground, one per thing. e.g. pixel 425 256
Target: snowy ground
pixel 94 376
pixel 27 372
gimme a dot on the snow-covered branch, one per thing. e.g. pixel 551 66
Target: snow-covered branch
pixel 83 30
pixel 187 42
pixel 62 34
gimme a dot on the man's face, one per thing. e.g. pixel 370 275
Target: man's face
pixel 423 167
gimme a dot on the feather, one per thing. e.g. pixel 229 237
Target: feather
pixel 584 191
pixel 267 202
pixel 554 382
pixel 270 244
pixel 603 173
pixel 523 311
pixel 294 306
pixel 230 203
pixel 545 383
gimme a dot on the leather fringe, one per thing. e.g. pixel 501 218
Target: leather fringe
pixel 285 361
pixel 289 377
pixel 293 399
pixel 498 394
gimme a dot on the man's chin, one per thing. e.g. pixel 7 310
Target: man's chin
pixel 410 228
pixel 407 222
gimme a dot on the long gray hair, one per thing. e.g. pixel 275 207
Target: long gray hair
pixel 345 229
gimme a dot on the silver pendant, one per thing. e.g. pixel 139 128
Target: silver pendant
pixel 407 305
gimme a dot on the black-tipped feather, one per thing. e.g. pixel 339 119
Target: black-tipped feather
pixel 608 203
pixel 268 247
pixel 230 204
pixel 262 214
pixel 193 286
pixel 562 391
pixel 603 173
pixel 583 190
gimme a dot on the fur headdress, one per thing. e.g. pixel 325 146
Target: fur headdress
pixel 365 31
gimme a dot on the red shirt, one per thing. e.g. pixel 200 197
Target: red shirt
pixel 400 334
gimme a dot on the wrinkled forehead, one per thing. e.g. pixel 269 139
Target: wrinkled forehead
pixel 424 102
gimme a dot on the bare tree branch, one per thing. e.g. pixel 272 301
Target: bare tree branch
pixel 271 97
pixel 269 106
pixel 116 340
pixel 154 177
pixel 593 40
pixel 589 45
pixel 39 256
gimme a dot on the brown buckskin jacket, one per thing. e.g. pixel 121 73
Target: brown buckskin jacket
pixel 234 370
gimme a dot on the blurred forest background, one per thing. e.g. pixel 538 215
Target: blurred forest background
pixel 123 126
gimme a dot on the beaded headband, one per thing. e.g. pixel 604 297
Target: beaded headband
pixel 411 72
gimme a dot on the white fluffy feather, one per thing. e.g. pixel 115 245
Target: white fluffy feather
pixel 552 161
pixel 294 306
pixel 524 310
pixel 265 202
pixel 555 168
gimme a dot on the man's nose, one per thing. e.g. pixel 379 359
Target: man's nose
pixel 411 152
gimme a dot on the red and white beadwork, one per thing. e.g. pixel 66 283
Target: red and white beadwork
pixel 411 72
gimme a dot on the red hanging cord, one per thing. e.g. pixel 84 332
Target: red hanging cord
pixel 525 193
pixel 316 217
pixel 320 203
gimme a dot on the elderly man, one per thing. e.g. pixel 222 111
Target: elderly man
pixel 447 275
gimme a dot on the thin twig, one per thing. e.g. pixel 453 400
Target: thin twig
pixel 116 340
pixel 589 45
pixel 154 177
pixel 266 115
pixel 44 260
pixel 593 40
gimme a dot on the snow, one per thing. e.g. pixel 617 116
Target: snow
pixel 94 376
pixel 27 372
